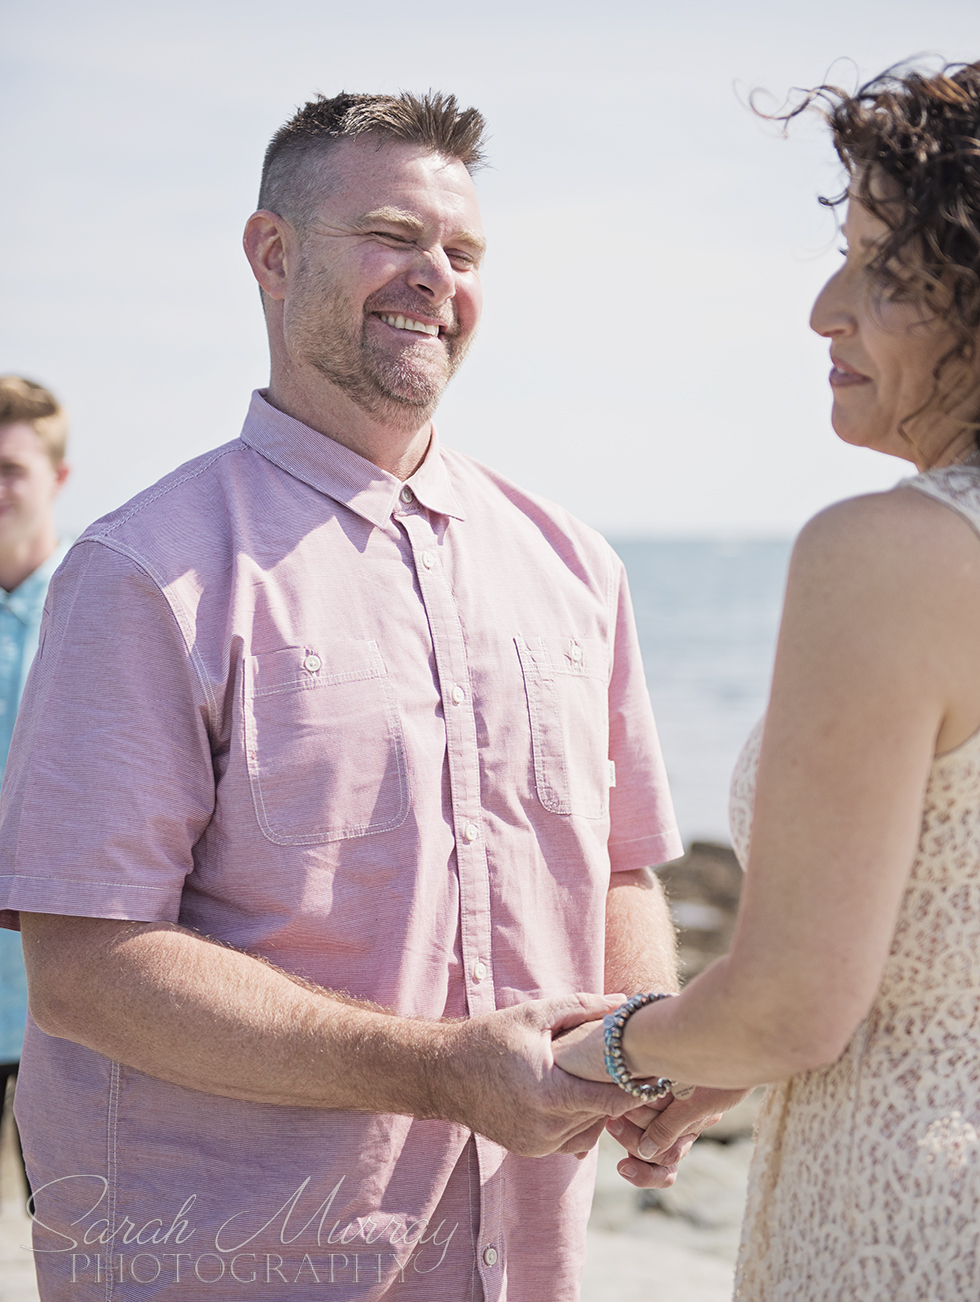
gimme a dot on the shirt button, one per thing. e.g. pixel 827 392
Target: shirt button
pixel 576 652
pixel 471 831
pixel 406 494
pixel 479 970
pixel 458 695
pixel 490 1256
pixel 428 559
pixel 312 663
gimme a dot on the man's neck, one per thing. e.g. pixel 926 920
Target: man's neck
pixel 20 559
pixel 397 446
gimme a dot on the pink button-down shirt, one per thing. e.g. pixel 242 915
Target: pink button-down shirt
pixel 394 737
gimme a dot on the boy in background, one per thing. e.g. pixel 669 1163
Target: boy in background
pixel 33 431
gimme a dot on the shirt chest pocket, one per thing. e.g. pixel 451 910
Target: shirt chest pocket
pixel 567 684
pixel 323 742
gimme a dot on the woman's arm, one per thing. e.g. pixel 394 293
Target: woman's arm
pixel 877 669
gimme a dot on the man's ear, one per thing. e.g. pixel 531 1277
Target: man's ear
pixel 266 240
pixel 61 473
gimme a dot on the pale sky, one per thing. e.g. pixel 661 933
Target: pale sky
pixel 654 247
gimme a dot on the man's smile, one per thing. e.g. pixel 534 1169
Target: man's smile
pixel 407 323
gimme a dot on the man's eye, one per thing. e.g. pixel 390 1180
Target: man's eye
pixel 389 235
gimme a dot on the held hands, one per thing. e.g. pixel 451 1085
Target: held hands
pixel 497 1075
pixel 658 1136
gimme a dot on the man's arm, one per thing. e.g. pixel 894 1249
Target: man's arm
pixel 641 944
pixel 180 1007
pixel 641 954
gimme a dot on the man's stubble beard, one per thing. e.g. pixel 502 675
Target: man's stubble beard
pixel 396 390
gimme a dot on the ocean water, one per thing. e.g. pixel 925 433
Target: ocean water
pixel 707 612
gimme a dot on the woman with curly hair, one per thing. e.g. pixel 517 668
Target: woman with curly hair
pixel 854 976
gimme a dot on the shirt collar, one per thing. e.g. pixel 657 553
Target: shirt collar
pixel 341 474
pixel 27 599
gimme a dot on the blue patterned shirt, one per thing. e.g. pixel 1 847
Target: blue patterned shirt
pixel 20 623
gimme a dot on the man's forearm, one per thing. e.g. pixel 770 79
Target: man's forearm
pixel 143 993
pixel 172 1004
pixel 641 944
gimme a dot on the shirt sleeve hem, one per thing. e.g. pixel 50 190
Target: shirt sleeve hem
pixel 85 900
pixel 646 851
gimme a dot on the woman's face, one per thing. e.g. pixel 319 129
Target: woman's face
pixel 884 347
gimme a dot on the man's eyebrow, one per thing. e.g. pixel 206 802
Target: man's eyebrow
pixel 394 217
pixel 476 242
pixel 409 221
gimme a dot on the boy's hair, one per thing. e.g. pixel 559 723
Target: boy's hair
pixel 25 402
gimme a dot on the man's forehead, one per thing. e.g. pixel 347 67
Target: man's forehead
pixel 399 180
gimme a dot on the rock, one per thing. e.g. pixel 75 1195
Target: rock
pixel 703 889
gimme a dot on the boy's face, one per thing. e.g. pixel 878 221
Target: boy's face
pixel 29 483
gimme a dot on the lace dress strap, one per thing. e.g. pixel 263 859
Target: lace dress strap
pixel 957 486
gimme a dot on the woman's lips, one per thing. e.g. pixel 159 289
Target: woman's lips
pixel 843 376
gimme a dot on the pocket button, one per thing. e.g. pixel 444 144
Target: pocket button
pixel 312 663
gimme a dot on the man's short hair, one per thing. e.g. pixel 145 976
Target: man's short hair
pixel 22 402
pixel 291 188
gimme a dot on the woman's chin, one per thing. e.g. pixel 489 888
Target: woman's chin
pixel 864 434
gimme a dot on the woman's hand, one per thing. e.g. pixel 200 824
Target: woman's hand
pixel 657 1138
pixel 581 1051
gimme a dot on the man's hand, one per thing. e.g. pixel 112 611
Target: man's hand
pixel 659 1138
pixel 499 1077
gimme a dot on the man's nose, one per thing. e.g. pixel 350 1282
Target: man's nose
pixel 432 273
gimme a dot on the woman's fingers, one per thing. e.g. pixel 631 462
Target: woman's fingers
pixel 647 1175
pixel 637 1142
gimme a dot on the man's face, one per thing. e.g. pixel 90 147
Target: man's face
pixel 384 295
pixel 29 484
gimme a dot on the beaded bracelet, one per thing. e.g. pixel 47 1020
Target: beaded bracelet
pixel 614 1024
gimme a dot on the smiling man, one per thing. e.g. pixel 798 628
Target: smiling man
pixel 338 781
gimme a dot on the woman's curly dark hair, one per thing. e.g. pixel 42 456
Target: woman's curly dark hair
pixel 911 145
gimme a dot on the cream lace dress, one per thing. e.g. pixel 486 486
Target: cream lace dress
pixel 865 1183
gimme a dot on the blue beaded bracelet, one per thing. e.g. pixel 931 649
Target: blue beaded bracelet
pixel 613 1025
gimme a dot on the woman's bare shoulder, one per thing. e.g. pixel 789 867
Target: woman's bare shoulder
pixel 903 533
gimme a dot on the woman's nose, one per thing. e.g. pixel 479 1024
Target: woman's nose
pixel 831 314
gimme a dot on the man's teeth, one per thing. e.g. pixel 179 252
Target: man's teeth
pixel 406 323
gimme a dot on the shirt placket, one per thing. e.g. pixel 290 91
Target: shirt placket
pixel 472 867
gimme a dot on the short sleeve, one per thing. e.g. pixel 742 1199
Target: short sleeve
pixel 110 780
pixel 643 828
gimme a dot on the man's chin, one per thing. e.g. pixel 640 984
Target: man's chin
pixel 407 390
